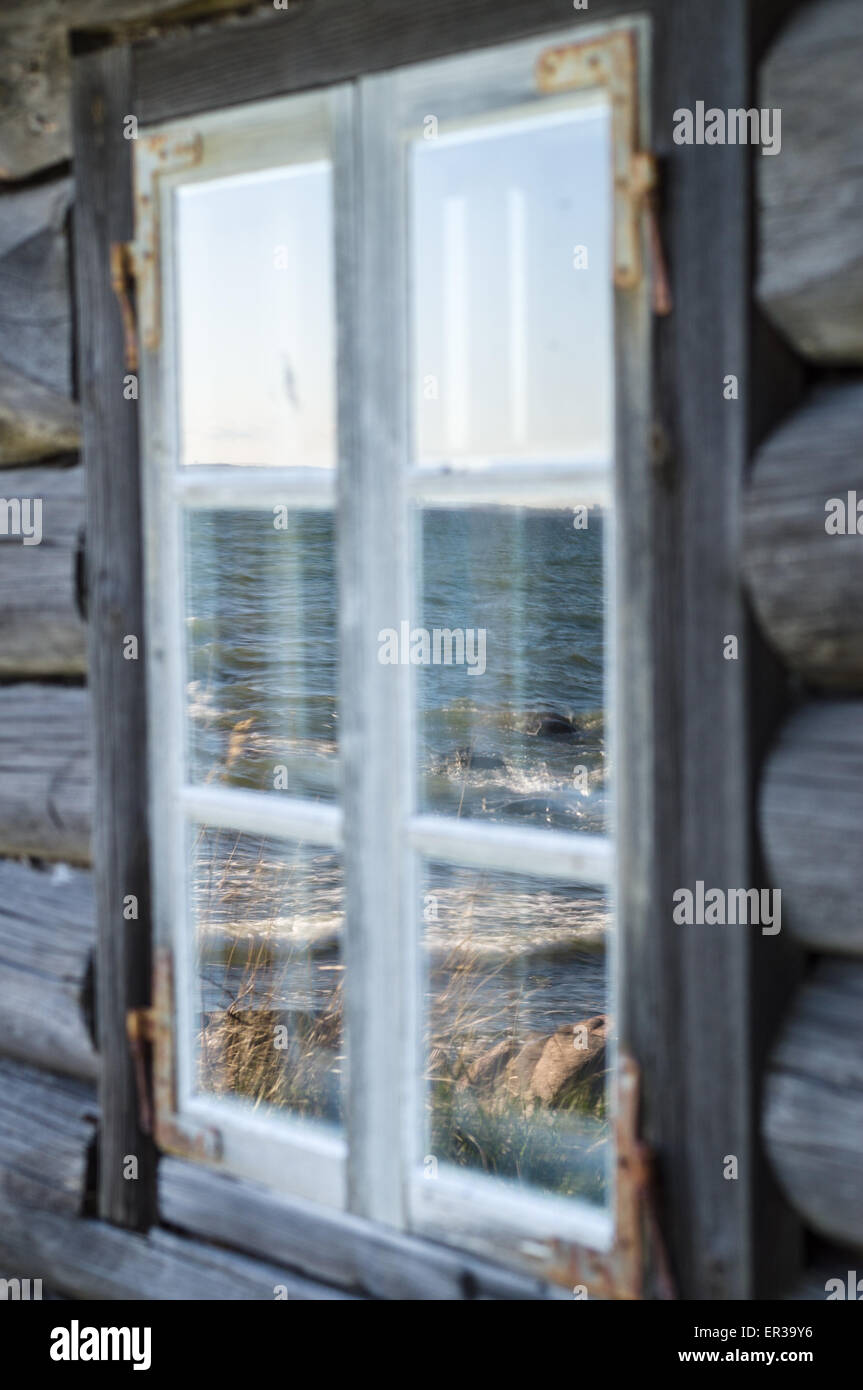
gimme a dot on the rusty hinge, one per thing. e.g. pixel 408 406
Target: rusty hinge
pixel 122 278
pixel 140 1031
pixel 152 1044
pixel 621 1273
pixel 612 63
pixel 155 156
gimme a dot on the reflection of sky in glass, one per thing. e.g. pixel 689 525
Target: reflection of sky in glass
pixel 256 313
pixel 515 338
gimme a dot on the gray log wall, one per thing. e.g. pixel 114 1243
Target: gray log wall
pixel 805 583
pixel 805 586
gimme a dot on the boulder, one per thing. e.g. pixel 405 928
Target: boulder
pixel 552 1070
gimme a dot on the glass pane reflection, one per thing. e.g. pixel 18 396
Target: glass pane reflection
pixel 262 651
pixel 511 238
pixel 517 1028
pixel 268 931
pixel 516 732
pixel 256 319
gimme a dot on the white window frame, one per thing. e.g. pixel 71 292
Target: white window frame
pixel 375 1167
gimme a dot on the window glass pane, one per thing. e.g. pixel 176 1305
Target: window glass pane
pixel 517 1028
pixel 511 695
pixel 511 243
pixel 262 651
pixel 256 339
pixel 267 918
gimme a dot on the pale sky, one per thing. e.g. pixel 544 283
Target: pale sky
pixel 511 343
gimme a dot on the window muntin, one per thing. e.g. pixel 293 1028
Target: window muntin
pixel 386 1016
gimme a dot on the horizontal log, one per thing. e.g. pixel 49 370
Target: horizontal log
pixel 35 69
pixel 806 585
pixel 336 1247
pixel 35 422
pixel 91 1260
pixel 47 934
pixel 35 300
pixel 45 772
pixel 41 629
pixel 810 279
pixel 811 813
pixel 46 1127
pixel 813 1107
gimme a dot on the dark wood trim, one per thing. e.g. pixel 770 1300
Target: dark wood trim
pixel 695 1021
pixel 102 97
pixel 318 42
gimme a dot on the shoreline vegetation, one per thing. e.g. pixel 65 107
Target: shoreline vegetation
pixel 504 1097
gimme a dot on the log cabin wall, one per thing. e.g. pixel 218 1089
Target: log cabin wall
pixel 49 1066
pixel 806 586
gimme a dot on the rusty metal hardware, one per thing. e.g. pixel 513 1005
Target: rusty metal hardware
pixel 139 1030
pixel 155 156
pixel 122 276
pixel 151 1040
pixel 611 63
pixel 620 1273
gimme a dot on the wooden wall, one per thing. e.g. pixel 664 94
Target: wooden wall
pixel 806 588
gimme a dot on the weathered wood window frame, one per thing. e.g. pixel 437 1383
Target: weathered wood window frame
pixel 684 1006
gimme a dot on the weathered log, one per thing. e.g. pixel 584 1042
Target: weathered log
pixel 35 301
pixel 41 629
pixel 35 422
pixel 47 933
pixel 45 772
pixel 35 77
pixel 46 1126
pixel 806 585
pixel 811 813
pixel 92 1260
pixel 813 1108
pixel 811 195
pixel 336 1247
pixel 102 95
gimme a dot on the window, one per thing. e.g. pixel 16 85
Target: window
pixel 378 454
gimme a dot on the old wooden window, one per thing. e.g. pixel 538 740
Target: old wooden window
pixel 378 479
pixel 342 324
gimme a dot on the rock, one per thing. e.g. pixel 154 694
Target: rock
pixel 550 1070
pixel 554 725
pixel 486 1070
